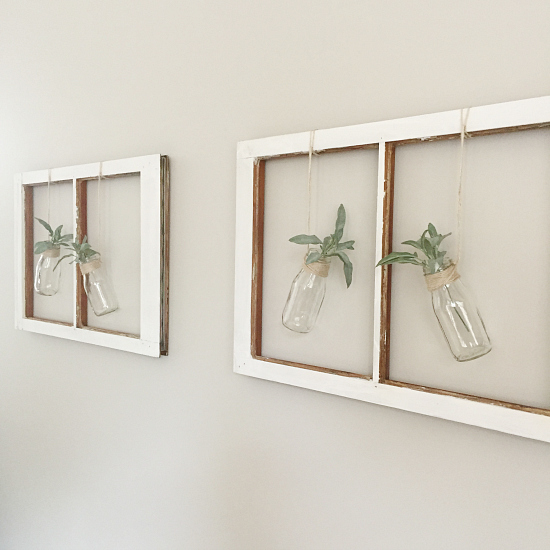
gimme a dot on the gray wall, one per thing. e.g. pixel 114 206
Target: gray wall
pixel 102 449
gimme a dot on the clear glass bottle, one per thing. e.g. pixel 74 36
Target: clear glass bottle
pixel 306 296
pixel 46 277
pixel 460 321
pixel 98 287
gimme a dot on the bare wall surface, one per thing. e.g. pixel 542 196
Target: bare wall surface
pixel 103 449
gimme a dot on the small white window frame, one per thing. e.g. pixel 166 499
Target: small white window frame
pixel 153 171
pixel 505 417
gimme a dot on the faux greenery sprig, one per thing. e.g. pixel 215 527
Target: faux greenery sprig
pixel 429 245
pixel 80 252
pixel 330 246
pixel 56 240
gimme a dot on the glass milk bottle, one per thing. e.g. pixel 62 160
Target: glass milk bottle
pixel 46 276
pixel 457 315
pixel 306 296
pixel 98 287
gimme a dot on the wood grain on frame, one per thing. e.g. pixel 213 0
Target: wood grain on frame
pixel 258 258
pixel 28 206
pixel 81 232
pixel 387 240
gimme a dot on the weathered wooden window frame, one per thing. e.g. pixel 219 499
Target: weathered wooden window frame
pixel 153 171
pixel 502 416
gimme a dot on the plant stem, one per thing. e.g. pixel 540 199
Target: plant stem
pixel 455 308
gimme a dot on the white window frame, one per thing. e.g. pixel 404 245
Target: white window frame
pixel 153 172
pixel 477 411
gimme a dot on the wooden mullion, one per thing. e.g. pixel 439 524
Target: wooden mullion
pixel 81 232
pixel 258 257
pixel 387 240
pixel 28 206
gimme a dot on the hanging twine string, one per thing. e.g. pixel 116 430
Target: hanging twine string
pixel 311 142
pixel 49 183
pixel 450 274
pixel 463 135
pixel 99 205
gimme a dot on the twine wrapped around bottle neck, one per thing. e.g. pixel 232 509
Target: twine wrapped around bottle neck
pixel 318 268
pixel 442 278
pixel 90 266
pixel 51 253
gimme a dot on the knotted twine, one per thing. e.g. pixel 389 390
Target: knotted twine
pixel 317 268
pixel 450 274
pixel 90 266
pixel 51 253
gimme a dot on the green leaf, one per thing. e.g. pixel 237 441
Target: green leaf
pixel 400 258
pixel 340 218
pixel 416 244
pixel 426 246
pixel 348 267
pixel 432 230
pixel 46 226
pixel 305 239
pixel 41 246
pixel 66 238
pixel 345 246
pixel 340 223
pixel 57 233
pixel 313 256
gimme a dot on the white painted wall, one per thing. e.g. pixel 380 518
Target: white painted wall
pixel 102 449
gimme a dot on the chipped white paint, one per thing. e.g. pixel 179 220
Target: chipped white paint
pixel 485 415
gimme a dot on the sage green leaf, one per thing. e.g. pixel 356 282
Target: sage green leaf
pixel 41 246
pixel 416 244
pixel 57 233
pixel 400 258
pixel 66 238
pixel 348 267
pixel 313 256
pixel 432 230
pixel 305 239
pixel 46 226
pixel 348 245
pixel 340 223
pixel 426 246
pixel 340 218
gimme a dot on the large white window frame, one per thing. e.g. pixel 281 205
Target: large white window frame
pixel 379 389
